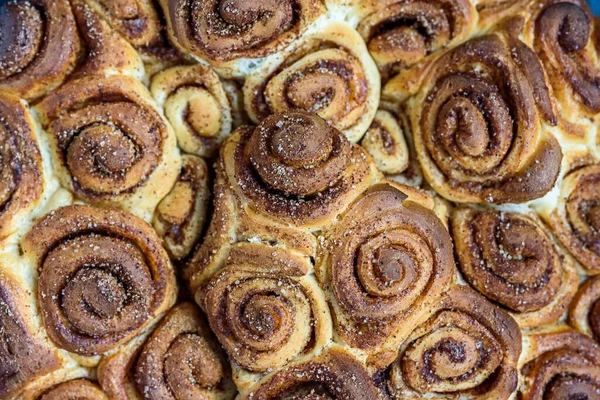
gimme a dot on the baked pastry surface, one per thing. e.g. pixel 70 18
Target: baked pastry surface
pixel 299 199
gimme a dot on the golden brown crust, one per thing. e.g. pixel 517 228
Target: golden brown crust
pixel 512 259
pixel 225 31
pixel 388 257
pixel 576 219
pixel 493 11
pixel 479 124
pixel 139 22
pixel 194 366
pixel 334 374
pixel 103 276
pixel 21 179
pixel 77 389
pixel 385 141
pixel 40 45
pixel 560 364
pixel 463 346
pixel 399 35
pixel 106 52
pixel 297 187
pixel 197 105
pixel 109 143
pixel 329 73
pixel 584 313
pixel 264 308
pixel 562 34
pixel 180 216
pixel 23 357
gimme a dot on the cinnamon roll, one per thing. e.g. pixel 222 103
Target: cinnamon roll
pixel 511 259
pixel 109 144
pixel 334 374
pixel 296 168
pixel 225 32
pixel 197 106
pixel 77 389
pixel 180 360
pixel 106 52
pixel 39 45
pixel 584 313
pixel 22 180
pixel 465 347
pixel 400 34
pixel 103 276
pixel 386 143
pixel 23 356
pixel 264 309
pixel 387 258
pixel 562 34
pixel 560 364
pixel 329 73
pixel 180 217
pixel 139 22
pixel 479 124
pixel 576 219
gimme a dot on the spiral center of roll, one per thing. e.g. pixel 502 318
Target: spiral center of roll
pixel 203 114
pixel 20 36
pixel 298 153
pixel 571 387
pixel 464 119
pixel 391 264
pixel 111 150
pixel 191 358
pixel 263 316
pixel 101 292
pixel 315 91
pixel 296 146
pixel 521 242
pixel 574 31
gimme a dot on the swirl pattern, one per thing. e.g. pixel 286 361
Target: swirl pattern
pixel 196 105
pixel 465 347
pixel 136 20
pixel 180 217
pixel 39 45
pixel 264 309
pixel 110 145
pixel 77 389
pixel 584 313
pixel 511 259
pixel 386 143
pixel 103 276
pixel 180 360
pixel 21 177
pixel 400 34
pixel 388 257
pixel 335 374
pixel 563 38
pixel 330 74
pixel 560 364
pixel 296 168
pixel 576 219
pixel 223 31
pixel 23 357
pixel 478 124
